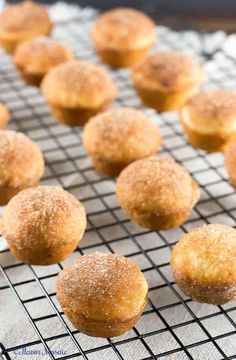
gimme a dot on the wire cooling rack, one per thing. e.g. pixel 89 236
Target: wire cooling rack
pixel 32 325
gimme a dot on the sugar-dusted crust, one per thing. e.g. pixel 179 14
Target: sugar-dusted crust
pixel 23 16
pixel 166 72
pixel 118 137
pixel 37 56
pixel 102 294
pixel 77 84
pixel 209 119
pixel 21 164
pixel 23 21
pixel 43 225
pixel 123 29
pixel 156 193
pixel 204 264
pixel 211 111
pixel 4 115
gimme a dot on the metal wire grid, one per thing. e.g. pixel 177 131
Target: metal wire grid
pixel 172 326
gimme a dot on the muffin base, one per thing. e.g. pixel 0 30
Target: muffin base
pixel 125 58
pixel 209 142
pixel 76 116
pixel 4 118
pixel 161 101
pixel 158 222
pixel 29 79
pixel 43 256
pixel 105 329
pixel 205 293
pixel 7 192
pixel 113 169
pixel 229 165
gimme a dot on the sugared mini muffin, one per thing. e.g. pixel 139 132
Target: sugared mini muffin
pixel 102 294
pixel 4 116
pixel 21 164
pixel 118 137
pixel 230 163
pixel 209 119
pixel 164 81
pixel 76 91
pixel 35 57
pixel 22 21
pixel 123 36
pixel 157 193
pixel 204 264
pixel 43 224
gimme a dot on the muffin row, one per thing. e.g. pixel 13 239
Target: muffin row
pixel 164 81
pixel 104 294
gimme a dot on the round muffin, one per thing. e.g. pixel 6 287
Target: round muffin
pixel 119 136
pixel 21 164
pixel 230 163
pixel 209 119
pixel 122 36
pixel 156 193
pixel 43 225
pixel 102 294
pixel 34 58
pixel 164 81
pixel 4 116
pixel 22 21
pixel 204 264
pixel 76 91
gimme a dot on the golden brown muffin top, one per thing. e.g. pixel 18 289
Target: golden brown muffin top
pixel 207 254
pixel 43 216
pixel 211 111
pixel 77 83
pixel 157 185
pixel 20 159
pixel 109 283
pixel 40 54
pixel 167 71
pixel 124 28
pixel 4 115
pixel 121 134
pixel 23 16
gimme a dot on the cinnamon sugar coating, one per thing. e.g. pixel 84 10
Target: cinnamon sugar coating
pixel 123 36
pixel 204 264
pixel 21 163
pixel 4 115
pixel 164 81
pixel 209 119
pixel 37 56
pixel 102 294
pixel 124 28
pixel 168 71
pixel 212 109
pixel 118 137
pixel 23 21
pixel 77 86
pixel 43 225
pixel 156 193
